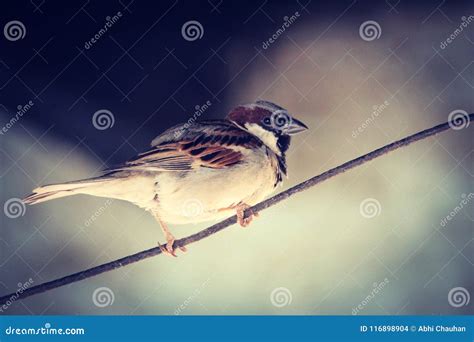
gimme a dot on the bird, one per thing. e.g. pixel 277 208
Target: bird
pixel 198 171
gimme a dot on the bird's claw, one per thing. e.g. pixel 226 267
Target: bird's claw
pixel 169 249
pixel 245 221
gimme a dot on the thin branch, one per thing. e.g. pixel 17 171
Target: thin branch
pixel 130 259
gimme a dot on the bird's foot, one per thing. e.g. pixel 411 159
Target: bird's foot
pixel 169 249
pixel 241 218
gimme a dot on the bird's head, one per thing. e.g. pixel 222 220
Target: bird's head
pixel 272 124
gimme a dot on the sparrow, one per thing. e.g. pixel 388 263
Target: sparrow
pixel 198 171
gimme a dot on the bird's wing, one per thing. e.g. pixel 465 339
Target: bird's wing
pixel 191 130
pixel 212 144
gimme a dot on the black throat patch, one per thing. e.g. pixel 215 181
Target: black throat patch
pixel 283 143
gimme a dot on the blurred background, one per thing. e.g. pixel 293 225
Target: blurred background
pixel 394 236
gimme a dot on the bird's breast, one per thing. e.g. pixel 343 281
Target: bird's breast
pixel 204 194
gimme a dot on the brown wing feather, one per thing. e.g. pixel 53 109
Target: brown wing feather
pixel 215 149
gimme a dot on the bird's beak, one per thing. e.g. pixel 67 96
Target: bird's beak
pixel 295 127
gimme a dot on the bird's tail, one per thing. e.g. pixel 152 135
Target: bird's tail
pixel 53 191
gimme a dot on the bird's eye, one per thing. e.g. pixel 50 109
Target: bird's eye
pixel 267 121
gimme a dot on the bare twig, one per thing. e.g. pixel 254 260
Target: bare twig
pixel 130 259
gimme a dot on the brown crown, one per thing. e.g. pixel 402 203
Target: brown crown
pixel 247 114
